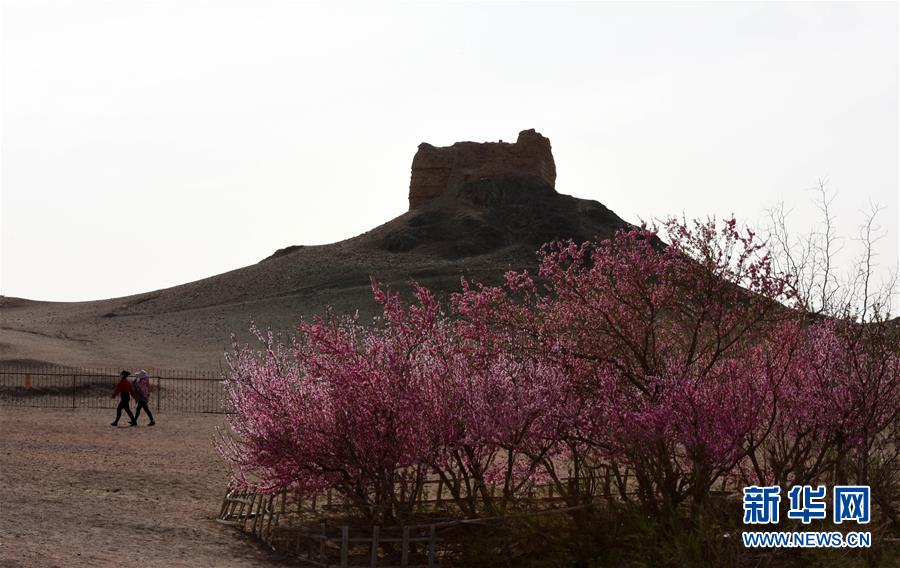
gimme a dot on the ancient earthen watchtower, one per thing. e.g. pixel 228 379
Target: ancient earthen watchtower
pixel 438 171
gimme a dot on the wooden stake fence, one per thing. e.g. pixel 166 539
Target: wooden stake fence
pixel 295 531
pixel 298 526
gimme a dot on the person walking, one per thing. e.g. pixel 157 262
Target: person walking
pixel 142 388
pixel 125 392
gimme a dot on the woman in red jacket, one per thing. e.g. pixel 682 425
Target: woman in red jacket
pixel 125 392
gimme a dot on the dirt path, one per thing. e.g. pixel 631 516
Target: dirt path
pixel 76 492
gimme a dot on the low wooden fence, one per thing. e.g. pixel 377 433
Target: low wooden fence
pixel 66 387
pixel 313 531
pixel 290 531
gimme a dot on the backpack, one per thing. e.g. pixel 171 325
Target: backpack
pixel 142 388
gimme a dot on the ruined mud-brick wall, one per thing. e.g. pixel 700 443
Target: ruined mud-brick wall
pixel 436 171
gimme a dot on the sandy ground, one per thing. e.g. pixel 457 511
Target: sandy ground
pixel 76 492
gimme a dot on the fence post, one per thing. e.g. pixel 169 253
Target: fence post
pixel 404 549
pixel 431 546
pixel 74 389
pixel 345 544
pixel 375 530
pixel 158 385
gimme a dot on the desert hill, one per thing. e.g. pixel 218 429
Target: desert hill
pixel 477 209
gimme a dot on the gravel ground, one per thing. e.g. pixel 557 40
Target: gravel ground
pixel 75 491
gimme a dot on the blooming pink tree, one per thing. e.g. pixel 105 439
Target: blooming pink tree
pixel 665 346
pixel 339 408
pixel 834 416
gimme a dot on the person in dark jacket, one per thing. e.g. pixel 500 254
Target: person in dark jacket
pixel 125 392
pixel 141 388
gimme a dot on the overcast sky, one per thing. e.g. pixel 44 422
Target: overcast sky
pixel 146 145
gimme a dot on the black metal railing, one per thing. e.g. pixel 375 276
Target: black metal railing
pixel 65 387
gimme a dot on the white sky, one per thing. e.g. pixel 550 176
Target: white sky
pixel 150 144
